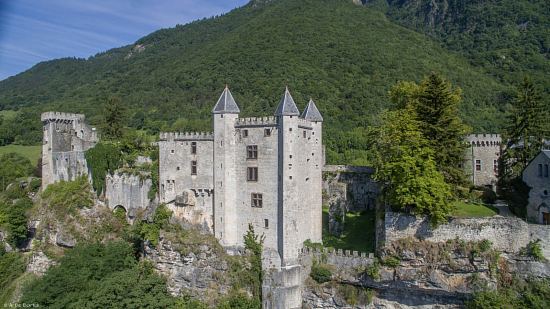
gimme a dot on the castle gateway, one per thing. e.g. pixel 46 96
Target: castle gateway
pixel 260 171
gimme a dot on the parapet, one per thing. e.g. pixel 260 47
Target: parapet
pixel 336 252
pixel 59 116
pixel 256 122
pixel 348 169
pixel 186 136
pixel 483 140
pixel 304 123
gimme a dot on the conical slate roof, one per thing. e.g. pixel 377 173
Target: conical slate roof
pixel 287 107
pixel 311 112
pixel 226 104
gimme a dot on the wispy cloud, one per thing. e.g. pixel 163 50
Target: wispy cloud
pixel 33 31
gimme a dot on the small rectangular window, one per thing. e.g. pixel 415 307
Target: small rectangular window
pixel 257 200
pixel 267 132
pixel 290 129
pixel 193 147
pixel 252 174
pixel 193 167
pixel 245 133
pixel 540 170
pixel 478 165
pixel 252 152
pixel 266 223
pixel 495 166
pixel 172 151
pixel 546 170
pixel 305 134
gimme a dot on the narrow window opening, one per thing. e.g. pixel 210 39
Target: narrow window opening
pixel 252 174
pixel 193 147
pixel 540 170
pixel 267 132
pixel 172 151
pixel 178 168
pixel 546 170
pixel 266 223
pixel 245 133
pixel 305 134
pixel 290 129
pixel 193 167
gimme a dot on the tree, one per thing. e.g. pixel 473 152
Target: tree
pixel 115 118
pixel 13 166
pixel 254 243
pixel 525 131
pixel 436 105
pixel 405 166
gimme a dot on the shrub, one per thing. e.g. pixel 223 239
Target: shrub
pixel 68 196
pixel 392 261
pixel 534 250
pixel 14 219
pixel 485 245
pixel 104 158
pixel 320 273
pixel 373 271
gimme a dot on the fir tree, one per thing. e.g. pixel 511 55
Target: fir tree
pixel 115 118
pixel 525 131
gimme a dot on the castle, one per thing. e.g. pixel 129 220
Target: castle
pixel 260 171
pixel 66 138
pixel 265 172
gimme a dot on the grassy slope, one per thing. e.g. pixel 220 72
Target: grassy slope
pixel 30 152
pixel 344 56
pixel 466 210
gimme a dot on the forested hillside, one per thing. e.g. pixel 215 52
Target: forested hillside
pixel 343 55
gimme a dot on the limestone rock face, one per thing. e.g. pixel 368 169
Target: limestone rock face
pixel 201 273
pixel 39 263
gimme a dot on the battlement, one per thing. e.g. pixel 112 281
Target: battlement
pixel 483 140
pixel 256 122
pixel 59 116
pixel 186 136
pixel 336 252
pixel 304 123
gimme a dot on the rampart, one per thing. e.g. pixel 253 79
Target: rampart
pixel 506 234
pixel 59 116
pixel 128 191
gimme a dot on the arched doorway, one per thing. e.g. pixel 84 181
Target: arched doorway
pixel 120 211
pixel 544 214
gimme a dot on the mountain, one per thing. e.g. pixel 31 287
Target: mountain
pixel 508 38
pixel 343 55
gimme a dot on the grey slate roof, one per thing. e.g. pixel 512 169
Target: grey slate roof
pixel 287 107
pixel 547 153
pixel 226 104
pixel 311 112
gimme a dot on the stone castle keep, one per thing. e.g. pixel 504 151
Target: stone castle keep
pixel 264 171
pixel 260 171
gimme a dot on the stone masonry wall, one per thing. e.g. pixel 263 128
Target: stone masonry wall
pixel 506 234
pixel 128 191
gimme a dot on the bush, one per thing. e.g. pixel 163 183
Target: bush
pixel 373 271
pixel 320 273
pixel 13 166
pixel 355 296
pixel 485 245
pixel 392 261
pixel 103 159
pixel 14 219
pixel 68 196
pixel 534 250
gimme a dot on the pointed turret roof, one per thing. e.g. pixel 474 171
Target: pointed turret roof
pixel 226 104
pixel 311 112
pixel 287 107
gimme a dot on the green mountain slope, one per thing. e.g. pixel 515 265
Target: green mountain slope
pixel 344 56
pixel 509 38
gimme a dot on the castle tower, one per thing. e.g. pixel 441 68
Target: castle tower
pixel 289 210
pixel 314 162
pixel 225 113
pixel 481 159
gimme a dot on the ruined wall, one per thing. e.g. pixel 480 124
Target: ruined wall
pixel 65 139
pixel 345 189
pixel 128 191
pixel 506 234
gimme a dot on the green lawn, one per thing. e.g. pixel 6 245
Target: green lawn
pixel 31 152
pixel 468 210
pixel 359 232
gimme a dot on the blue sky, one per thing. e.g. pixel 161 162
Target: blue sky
pixel 32 31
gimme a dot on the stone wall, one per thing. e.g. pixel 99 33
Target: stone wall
pixel 536 177
pixel 128 191
pixel 345 189
pixel 506 234
pixel 485 149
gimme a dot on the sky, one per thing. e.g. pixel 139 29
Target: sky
pixel 32 31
